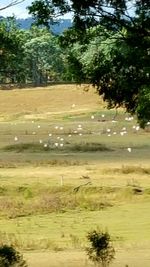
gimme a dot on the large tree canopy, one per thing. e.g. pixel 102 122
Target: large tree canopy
pixel 11 50
pixel 31 56
pixel 108 45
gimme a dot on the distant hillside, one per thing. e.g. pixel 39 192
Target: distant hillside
pixel 56 28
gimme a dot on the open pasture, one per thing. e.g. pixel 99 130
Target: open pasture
pixel 68 165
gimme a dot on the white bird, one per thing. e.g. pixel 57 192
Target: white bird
pixel 45 145
pixel 129 149
pixel 16 138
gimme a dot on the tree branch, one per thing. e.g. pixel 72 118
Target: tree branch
pixel 12 3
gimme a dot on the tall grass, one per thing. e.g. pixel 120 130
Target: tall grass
pixel 21 201
pixel 127 169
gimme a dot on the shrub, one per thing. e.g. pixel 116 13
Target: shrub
pixel 10 257
pixel 101 251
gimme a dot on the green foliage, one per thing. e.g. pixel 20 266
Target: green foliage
pixel 45 11
pixel 11 51
pixel 43 56
pixel 101 252
pixel 143 108
pixel 118 70
pixel 29 56
pixel 10 257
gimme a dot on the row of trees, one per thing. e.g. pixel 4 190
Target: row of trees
pixel 29 55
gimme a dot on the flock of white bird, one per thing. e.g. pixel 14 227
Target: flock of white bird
pixel 59 141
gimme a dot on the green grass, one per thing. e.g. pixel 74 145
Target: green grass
pixel 50 197
pixel 124 224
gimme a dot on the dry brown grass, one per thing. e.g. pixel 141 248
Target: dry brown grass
pixel 124 257
pixel 57 99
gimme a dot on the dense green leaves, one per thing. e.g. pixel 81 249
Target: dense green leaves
pixel 118 70
pixel 43 11
pixel 100 251
pixel 43 57
pixel 11 50
pixel 10 257
pixel 29 56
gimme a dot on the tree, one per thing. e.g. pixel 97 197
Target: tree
pixel 101 251
pixel 120 66
pixel 11 51
pixel 10 257
pixel 115 69
pixel 43 57
pixel 29 56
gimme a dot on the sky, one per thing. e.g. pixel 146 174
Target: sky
pixel 19 10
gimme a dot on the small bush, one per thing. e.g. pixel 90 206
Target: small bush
pixel 89 147
pixel 101 252
pixel 10 257
pixel 21 147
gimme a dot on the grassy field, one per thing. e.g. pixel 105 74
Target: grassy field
pixel 67 166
